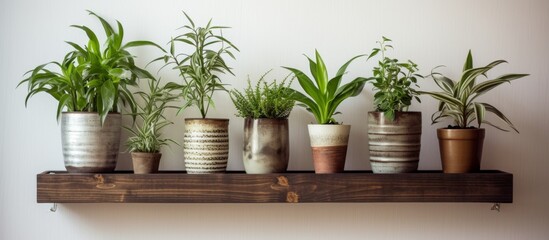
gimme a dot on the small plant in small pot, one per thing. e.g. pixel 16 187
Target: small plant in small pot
pixel 329 139
pixel 394 133
pixel 146 139
pixel 90 85
pixel 266 108
pixel 206 140
pixel 461 143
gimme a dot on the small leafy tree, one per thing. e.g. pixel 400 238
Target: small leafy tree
pixel 394 82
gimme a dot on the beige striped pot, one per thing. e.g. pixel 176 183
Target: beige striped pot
pixel 89 147
pixel 394 145
pixel 206 145
pixel 329 145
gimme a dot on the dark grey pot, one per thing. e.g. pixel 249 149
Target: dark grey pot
pixel 266 145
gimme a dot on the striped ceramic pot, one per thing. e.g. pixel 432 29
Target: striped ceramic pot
pixel 88 146
pixel 329 145
pixel 206 145
pixel 394 145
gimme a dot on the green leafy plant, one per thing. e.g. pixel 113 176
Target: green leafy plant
pixel 266 100
pixel 325 94
pixel 90 79
pixel 200 70
pixel 393 82
pixel 457 99
pixel 150 119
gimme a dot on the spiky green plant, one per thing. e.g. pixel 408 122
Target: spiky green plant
pixel 266 100
pixel 91 79
pixel 147 136
pixel 457 99
pixel 325 94
pixel 394 82
pixel 200 70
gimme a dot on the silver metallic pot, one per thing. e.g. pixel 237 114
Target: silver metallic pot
pixel 89 147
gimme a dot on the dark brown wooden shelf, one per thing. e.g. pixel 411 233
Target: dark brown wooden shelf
pixel 291 187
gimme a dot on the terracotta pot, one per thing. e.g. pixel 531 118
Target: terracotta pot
pixel 460 149
pixel 144 162
pixel 266 145
pixel 206 145
pixel 88 146
pixel 394 145
pixel 329 145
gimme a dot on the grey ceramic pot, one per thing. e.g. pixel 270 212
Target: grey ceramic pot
pixel 266 145
pixel 206 145
pixel 89 147
pixel 394 145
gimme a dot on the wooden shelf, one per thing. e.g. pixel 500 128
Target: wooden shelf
pixel 292 187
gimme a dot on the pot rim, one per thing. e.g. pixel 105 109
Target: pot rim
pixel 152 153
pixel 398 112
pixel 461 129
pixel 83 112
pixel 211 119
pixel 317 124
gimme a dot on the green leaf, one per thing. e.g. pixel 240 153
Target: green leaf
pixel 108 92
pixel 93 41
pixel 480 113
pixel 141 43
pixel 307 85
pixel 444 97
pixel 321 74
pixel 468 61
pixel 499 114
pixel 106 26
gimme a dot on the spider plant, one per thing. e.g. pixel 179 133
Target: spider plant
pixel 147 135
pixel 265 100
pixel 324 94
pixel 393 82
pixel 200 70
pixel 457 99
pixel 90 79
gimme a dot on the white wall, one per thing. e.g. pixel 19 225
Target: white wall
pixel 272 34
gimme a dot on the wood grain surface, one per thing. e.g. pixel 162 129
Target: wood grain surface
pixel 290 187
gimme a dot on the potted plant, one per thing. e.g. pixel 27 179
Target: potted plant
pixel 328 138
pixel 461 144
pixel 266 108
pixel 394 133
pixel 147 139
pixel 206 140
pixel 90 85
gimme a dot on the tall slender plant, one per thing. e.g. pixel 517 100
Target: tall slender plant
pixel 200 70
pixel 325 94
pixel 91 79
